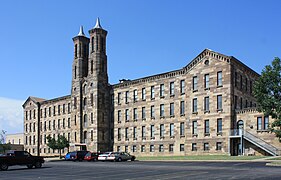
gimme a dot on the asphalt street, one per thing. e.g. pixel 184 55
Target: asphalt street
pixel 144 170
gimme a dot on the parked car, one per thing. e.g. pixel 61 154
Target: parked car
pixel 67 157
pixel 123 156
pixel 91 156
pixel 78 155
pixel 107 156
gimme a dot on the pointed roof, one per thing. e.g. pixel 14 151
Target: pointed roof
pixel 98 26
pixel 81 32
pixel 34 99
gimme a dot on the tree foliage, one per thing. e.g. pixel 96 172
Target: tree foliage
pixel 267 91
pixel 59 144
pixel 3 146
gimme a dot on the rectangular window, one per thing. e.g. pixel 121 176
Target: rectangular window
pixel 143 113
pixel 142 148
pixel 181 147
pixel 151 148
pixel 58 109
pixel 119 116
pixel 135 95
pixel 251 87
pixel 241 82
pixel 119 134
pixel 172 134
pixel 172 109
pixel 206 81
pixel 54 124
pixel 266 122
pixel 162 90
pixel 194 83
pixel 162 130
pixel 219 79
pixel 246 84
pixel 45 112
pixel 51 112
pixel 259 122
pixel 235 79
pixel 126 96
pixel 206 104
pixel 54 110
pixel 126 148
pixel 172 88
pixel 207 127
pixel 134 148
pixel 182 110
pixel 161 148
pixel 193 147
pixel 182 129
pixel 161 110
pixel 143 96
pixel 68 108
pixel 127 114
pixel 219 125
pixel 135 114
pixel 218 146
pixel 194 105
pixel 135 133
pixel 143 132
pixel 206 146
pixel 126 134
pixel 182 87
pixel 152 132
pixel 241 103
pixel 219 102
pixel 152 113
pixel 68 122
pixel 152 95
pixel 171 147
pixel 194 127
pixel 119 98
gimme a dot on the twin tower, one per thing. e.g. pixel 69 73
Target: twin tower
pixel 90 91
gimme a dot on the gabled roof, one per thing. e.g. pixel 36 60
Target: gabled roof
pixel 34 99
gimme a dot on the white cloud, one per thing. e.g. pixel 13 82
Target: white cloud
pixel 11 115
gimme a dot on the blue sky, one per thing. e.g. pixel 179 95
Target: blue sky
pixel 144 38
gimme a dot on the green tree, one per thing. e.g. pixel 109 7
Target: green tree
pixel 3 146
pixel 59 144
pixel 267 91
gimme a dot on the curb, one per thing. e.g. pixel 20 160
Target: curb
pixel 272 164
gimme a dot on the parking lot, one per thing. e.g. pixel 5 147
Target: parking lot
pixel 144 170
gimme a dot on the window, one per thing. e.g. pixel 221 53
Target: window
pixel 68 107
pixel 119 98
pixel 194 105
pixel 142 148
pixel 206 104
pixel 92 135
pixel 75 102
pixel 172 88
pixel 162 130
pixel 241 82
pixel 161 148
pixel 161 110
pixel 206 146
pixel 161 90
pixel 63 123
pixel 172 109
pixel 266 122
pixel 63 108
pixel 218 146
pixel 54 110
pixel 119 134
pixel 143 132
pixel 182 86
pixel 34 114
pixel 171 147
pixel 206 81
pixel 246 84
pixel 235 102
pixel 92 99
pixel 58 109
pixel 151 148
pixel 235 79
pixel 182 129
pixel 219 102
pixel 143 96
pixel 68 122
pixel 135 95
pixel 135 114
pixel 219 125
pixel 193 147
pixel 143 112
pixel 126 149
pixel 126 133
pixel 152 113
pixel 152 131
pixel 118 148
pixel 172 130
pixel 126 96
pixel 51 112
pixel 134 148
pixel 219 79
pixel 259 122
pixel 241 103
pixel 119 116
pixel 194 83
pixel 54 124
pixel 194 127
pixel 127 114
pixel 207 127
pixel 251 85
pixel 152 95
pixel 85 103
pixel 181 147
pixel 182 108
pixel 135 133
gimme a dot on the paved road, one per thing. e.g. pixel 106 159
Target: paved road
pixel 144 170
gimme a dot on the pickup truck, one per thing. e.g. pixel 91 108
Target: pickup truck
pixel 20 158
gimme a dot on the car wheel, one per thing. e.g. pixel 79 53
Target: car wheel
pixel 38 164
pixel 4 166
pixel 119 159
pixel 132 159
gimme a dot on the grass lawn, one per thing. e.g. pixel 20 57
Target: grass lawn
pixel 201 157
pixel 277 158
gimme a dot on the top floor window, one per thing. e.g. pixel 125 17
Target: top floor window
pixel 126 96
pixel 259 122
pixel 266 122
pixel 182 86
pixel 206 81
pixel 172 88
pixel 135 95
pixel 219 78
pixel 68 107
pixel 143 96
pixel 194 83
pixel 152 95
pixel 161 90
pixel 119 98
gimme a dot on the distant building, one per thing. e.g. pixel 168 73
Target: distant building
pixel 15 138
pixel 206 107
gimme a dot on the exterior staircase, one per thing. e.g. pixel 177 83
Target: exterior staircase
pixel 261 144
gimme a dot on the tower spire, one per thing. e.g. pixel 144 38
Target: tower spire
pixel 81 32
pixel 98 24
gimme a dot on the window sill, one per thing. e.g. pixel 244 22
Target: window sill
pixel 162 117
pixel 152 138
pixel 119 139
pixel 135 120
pixel 172 116
pixel 194 135
pixel 182 136
pixel 152 117
pixel 143 138
pixel 182 115
pixel 152 99
pixel 219 110
pixel 196 90
pixel 219 86
pixel 172 137
pixel 262 130
pixel 126 102
pixel 127 139
pixel 207 134
pixel 143 99
pixel 143 119
pixel 219 134
pixel 207 89
pixel 172 95
pixel 119 122
pixel 162 137
pixel 135 139
pixel 135 101
pixel 127 121
pixel 162 97
pixel 195 113
pixel 183 93
pixel 206 112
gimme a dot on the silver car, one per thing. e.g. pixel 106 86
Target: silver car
pixel 123 156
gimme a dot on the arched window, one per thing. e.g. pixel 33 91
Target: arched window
pixel 85 103
pixel 75 51
pixel 85 89
pixel 85 136
pixel 85 120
